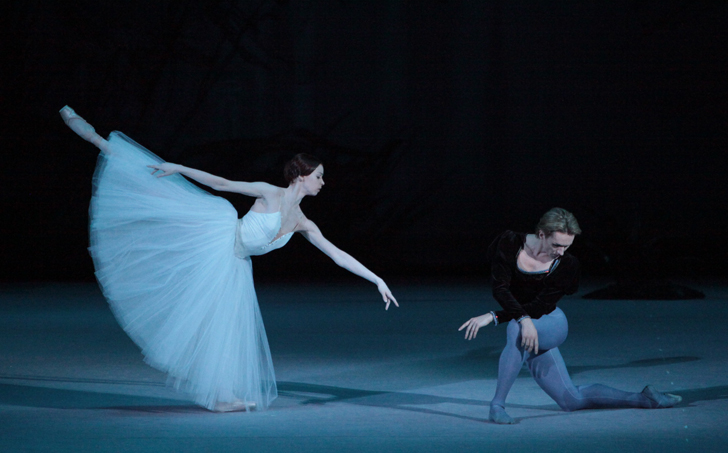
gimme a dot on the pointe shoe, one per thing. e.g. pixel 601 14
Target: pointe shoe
pixel 82 128
pixel 235 406
pixel 661 400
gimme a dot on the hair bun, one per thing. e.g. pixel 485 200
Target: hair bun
pixel 301 165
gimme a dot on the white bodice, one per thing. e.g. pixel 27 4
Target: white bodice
pixel 256 232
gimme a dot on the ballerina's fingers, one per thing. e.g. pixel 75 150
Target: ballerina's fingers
pixel 156 169
pixel 389 298
pixel 388 301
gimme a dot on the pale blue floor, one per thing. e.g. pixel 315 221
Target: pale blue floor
pixel 353 377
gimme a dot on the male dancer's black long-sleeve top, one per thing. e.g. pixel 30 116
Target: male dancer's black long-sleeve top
pixel 525 294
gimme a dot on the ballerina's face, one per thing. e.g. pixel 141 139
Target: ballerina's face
pixel 315 181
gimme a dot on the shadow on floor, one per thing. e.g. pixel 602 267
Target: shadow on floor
pixel 321 394
pixel 482 363
pixel 634 364
pixel 304 393
pixel 43 397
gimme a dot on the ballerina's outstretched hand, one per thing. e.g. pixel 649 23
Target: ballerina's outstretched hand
pixel 165 169
pixel 386 294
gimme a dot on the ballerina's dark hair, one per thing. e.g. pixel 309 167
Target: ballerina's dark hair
pixel 301 165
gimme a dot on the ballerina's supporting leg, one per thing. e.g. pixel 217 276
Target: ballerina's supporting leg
pixel 235 406
pixel 83 129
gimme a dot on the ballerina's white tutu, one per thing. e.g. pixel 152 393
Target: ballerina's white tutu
pixel 173 261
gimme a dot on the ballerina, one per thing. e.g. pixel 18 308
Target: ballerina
pixel 173 261
pixel 530 273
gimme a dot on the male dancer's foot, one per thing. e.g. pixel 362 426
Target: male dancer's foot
pixel 498 415
pixel 660 400
pixel 82 128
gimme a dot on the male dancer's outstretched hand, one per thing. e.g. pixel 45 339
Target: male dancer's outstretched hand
pixel 474 324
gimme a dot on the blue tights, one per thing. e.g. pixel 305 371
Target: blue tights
pixel 548 369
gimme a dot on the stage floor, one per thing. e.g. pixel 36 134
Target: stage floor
pixel 353 377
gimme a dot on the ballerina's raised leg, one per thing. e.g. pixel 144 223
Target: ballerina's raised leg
pixel 83 129
pixel 88 133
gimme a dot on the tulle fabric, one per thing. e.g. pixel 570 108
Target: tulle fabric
pixel 165 258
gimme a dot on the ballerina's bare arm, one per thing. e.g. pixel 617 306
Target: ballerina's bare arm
pixel 252 189
pixel 310 231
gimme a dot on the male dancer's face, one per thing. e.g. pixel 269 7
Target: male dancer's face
pixel 556 244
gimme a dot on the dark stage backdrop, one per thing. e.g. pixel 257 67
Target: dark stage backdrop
pixel 441 123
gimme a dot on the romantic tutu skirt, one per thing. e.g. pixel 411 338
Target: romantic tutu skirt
pixel 164 253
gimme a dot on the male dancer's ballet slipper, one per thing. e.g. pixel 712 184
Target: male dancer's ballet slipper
pixel 235 406
pixel 661 400
pixel 499 416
